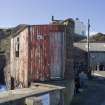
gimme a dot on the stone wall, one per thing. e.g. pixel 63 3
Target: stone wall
pixel 69 30
pixel 54 99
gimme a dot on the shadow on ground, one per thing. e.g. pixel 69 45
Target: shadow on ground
pixel 94 94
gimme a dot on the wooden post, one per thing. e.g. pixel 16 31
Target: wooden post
pixel 89 71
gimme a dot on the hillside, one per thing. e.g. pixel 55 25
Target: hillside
pixel 97 38
pixel 5 36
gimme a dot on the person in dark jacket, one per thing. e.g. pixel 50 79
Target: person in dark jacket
pixel 77 84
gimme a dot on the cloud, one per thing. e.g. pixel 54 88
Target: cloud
pixel 91 33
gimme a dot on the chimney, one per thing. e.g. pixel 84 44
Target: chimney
pixel 77 18
pixel 52 18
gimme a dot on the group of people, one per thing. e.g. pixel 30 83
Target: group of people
pixel 80 81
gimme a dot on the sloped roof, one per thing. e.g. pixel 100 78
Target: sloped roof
pixel 99 47
pixel 18 29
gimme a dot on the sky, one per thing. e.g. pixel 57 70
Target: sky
pixel 14 12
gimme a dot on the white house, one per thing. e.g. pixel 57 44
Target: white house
pixel 80 27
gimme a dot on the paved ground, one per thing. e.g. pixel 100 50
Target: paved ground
pixel 99 73
pixel 94 94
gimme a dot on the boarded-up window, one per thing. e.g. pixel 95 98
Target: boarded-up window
pixel 17 48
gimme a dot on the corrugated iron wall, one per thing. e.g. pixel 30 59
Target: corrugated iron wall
pixel 39 56
pixel 57 54
pixel 45 52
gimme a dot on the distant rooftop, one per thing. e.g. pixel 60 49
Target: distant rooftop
pixel 99 47
pixel 97 38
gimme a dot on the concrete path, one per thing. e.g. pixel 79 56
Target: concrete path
pixel 103 103
pixel 100 74
pixel 94 94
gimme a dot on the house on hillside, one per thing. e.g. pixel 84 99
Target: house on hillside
pixel 80 27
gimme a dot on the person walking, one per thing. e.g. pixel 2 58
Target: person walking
pixel 83 78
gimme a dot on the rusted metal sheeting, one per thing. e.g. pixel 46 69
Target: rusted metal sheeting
pixel 56 51
pixel 46 46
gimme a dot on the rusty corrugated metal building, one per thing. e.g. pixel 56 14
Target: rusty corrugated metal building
pixel 42 53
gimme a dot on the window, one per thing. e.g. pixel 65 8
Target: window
pixel 17 47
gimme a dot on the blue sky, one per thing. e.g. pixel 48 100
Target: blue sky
pixel 14 12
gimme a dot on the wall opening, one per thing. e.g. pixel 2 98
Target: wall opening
pixel 2 66
pixel 17 47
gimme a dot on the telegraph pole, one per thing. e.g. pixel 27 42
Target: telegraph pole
pixel 89 70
